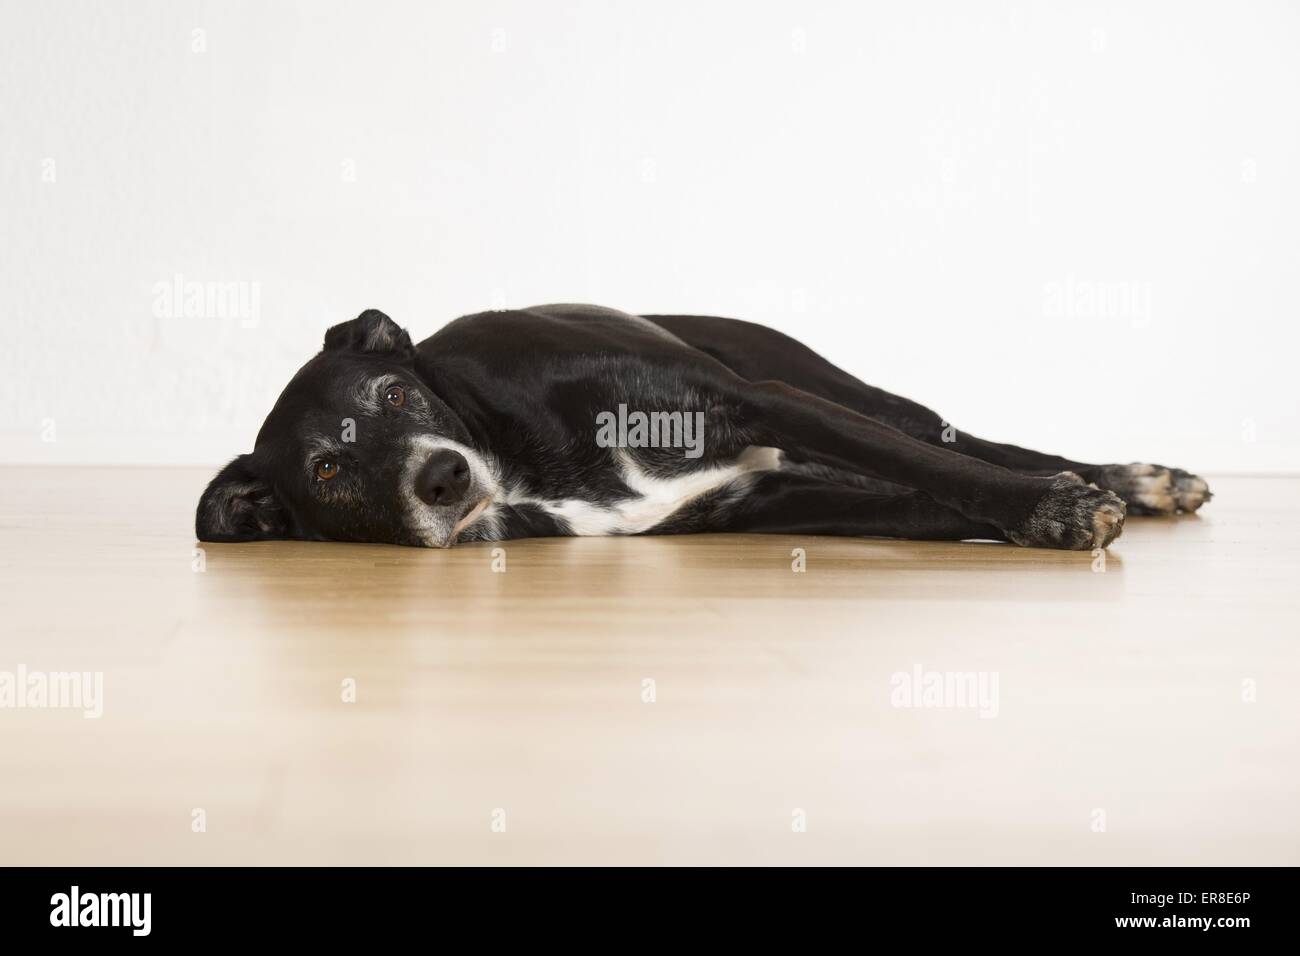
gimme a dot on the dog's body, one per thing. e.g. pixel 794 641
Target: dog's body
pixel 578 420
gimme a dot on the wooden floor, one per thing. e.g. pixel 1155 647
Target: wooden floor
pixel 1147 713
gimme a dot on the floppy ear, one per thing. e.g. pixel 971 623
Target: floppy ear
pixel 238 505
pixel 371 331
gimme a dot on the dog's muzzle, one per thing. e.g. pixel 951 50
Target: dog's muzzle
pixel 448 486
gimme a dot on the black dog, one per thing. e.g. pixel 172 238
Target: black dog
pixel 578 420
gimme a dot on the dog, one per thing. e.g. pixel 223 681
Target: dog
pixel 579 420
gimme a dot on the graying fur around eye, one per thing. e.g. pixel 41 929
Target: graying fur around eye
pixel 367 394
pixel 321 447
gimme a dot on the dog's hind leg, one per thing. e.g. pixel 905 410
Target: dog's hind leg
pixel 757 353
pixel 1056 512
pixel 1147 489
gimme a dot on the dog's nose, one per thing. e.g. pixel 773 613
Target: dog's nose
pixel 444 479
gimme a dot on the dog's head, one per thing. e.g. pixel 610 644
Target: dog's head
pixel 357 448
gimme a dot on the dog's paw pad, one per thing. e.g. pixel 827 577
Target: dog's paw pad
pixel 1074 516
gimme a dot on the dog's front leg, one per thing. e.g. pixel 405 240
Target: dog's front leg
pixel 1055 512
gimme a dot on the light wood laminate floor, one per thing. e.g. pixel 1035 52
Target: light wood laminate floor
pixel 1144 713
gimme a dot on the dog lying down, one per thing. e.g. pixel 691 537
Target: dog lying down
pixel 579 420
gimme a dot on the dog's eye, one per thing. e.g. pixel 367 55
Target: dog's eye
pixel 395 396
pixel 325 470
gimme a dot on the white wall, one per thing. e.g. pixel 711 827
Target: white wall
pixel 910 187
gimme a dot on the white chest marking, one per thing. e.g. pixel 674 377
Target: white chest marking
pixel 655 498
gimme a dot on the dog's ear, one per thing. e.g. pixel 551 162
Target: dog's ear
pixel 239 505
pixel 371 331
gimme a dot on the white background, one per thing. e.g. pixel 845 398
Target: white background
pixel 937 196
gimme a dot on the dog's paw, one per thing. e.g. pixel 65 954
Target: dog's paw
pixel 1190 491
pixel 1072 515
pixel 1153 489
